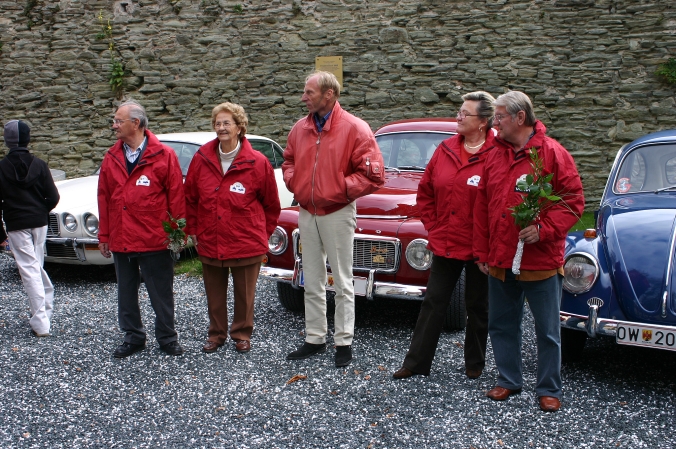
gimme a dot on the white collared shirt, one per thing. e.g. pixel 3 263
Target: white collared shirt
pixel 132 154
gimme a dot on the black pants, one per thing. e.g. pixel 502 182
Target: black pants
pixel 158 275
pixel 444 274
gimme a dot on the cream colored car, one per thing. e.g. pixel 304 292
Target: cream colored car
pixel 74 223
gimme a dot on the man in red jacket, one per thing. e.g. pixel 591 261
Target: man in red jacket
pixel 140 183
pixel 496 239
pixel 331 159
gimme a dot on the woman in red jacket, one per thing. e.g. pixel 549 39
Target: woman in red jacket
pixel 445 199
pixel 232 209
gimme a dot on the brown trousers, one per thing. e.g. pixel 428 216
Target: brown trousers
pixel 216 285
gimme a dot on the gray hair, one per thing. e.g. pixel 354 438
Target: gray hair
pixel 326 81
pixel 485 109
pixel 515 101
pixel 136 111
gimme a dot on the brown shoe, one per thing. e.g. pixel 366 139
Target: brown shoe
pixel 242 346
pixel 403 373
pixel 473 373
pixel 211 346
pixel 500 394
pixel 549 404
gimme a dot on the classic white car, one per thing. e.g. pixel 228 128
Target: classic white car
pixel 74 224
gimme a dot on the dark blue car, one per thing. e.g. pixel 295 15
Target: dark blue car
pixel 619 277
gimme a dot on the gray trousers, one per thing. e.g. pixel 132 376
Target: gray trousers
pixel 158 275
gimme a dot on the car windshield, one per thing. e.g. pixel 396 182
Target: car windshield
pixel 409 150
pixel 647 168
pixel 185 152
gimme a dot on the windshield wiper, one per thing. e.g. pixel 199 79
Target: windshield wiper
pixel 393 168
pixel 664 189
pixel 411 167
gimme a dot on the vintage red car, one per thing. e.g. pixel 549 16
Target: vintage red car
pixel 391 259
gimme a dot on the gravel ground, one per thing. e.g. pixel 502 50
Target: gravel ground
pixel 68 391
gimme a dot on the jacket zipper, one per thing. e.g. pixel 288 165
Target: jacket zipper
pixel 314 171
pixel 368 167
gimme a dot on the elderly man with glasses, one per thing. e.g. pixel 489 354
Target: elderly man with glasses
pixel 495 242
pixel 140 184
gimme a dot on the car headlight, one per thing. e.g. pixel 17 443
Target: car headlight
pixel 580 273
pixel 418 256
pixel 91 224
pixel 69 222
pixel 278 241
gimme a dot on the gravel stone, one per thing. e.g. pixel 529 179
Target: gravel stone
pixel 67 391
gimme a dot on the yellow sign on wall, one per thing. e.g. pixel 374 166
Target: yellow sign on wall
pixel 333 64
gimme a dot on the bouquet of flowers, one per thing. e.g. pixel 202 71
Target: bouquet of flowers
pixel 177 239
pixel 538 197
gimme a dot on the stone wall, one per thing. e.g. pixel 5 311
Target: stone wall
pixel 588 65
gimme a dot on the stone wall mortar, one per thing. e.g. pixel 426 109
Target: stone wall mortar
pixel 588 66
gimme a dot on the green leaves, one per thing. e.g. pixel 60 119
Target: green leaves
pixel 176 237
pixel 538 193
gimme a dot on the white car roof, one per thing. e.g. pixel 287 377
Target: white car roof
pixel 200 138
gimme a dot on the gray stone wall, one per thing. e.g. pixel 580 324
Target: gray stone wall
pixel 588 66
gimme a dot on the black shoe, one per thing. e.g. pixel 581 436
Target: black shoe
pixel 127 349
pixel 343 355
pixel 307 350
pixel 172 348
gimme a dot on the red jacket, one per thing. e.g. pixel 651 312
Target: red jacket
pixel 232 215
pixel 327 171
pixel 446 195
pixel 132 207
pixel 496 234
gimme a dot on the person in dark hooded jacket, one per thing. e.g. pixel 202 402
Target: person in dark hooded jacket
pixel 27 194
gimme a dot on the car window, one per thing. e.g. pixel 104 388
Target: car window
pixel 646 169
pixel 272 151
pixel 409 149
pixel 184 152
pixel 671 171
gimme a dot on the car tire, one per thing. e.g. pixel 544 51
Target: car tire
pixel 292 299
pixel 572 344
pixel 456 314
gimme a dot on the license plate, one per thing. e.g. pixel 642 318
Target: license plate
pixel 359 283
pixel 646 335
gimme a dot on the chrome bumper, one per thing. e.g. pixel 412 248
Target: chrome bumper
pixel 76 243
pixel 595 326
pixel 364 286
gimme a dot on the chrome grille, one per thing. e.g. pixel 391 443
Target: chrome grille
pixel 60 251
pixel 53 226
pixel 376 254
pixel 369 252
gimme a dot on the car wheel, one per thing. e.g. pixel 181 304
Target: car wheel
pixel 292 299
pixel 456 314
pixel 572 344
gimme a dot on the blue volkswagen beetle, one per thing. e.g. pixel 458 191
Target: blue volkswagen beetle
pixel 619 277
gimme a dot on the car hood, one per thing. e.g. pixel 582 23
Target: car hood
pixel 637 236
pixel 78 195
pixel 397 199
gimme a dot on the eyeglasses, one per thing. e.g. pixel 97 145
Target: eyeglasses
pixel 118 121
pixel 463 114
pixel 498 117
pixel 224 125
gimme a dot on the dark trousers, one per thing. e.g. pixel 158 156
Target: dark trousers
pixel 158 275
pixel 244 280
pixel 444 274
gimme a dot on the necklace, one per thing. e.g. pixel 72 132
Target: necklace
pixel 475 146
